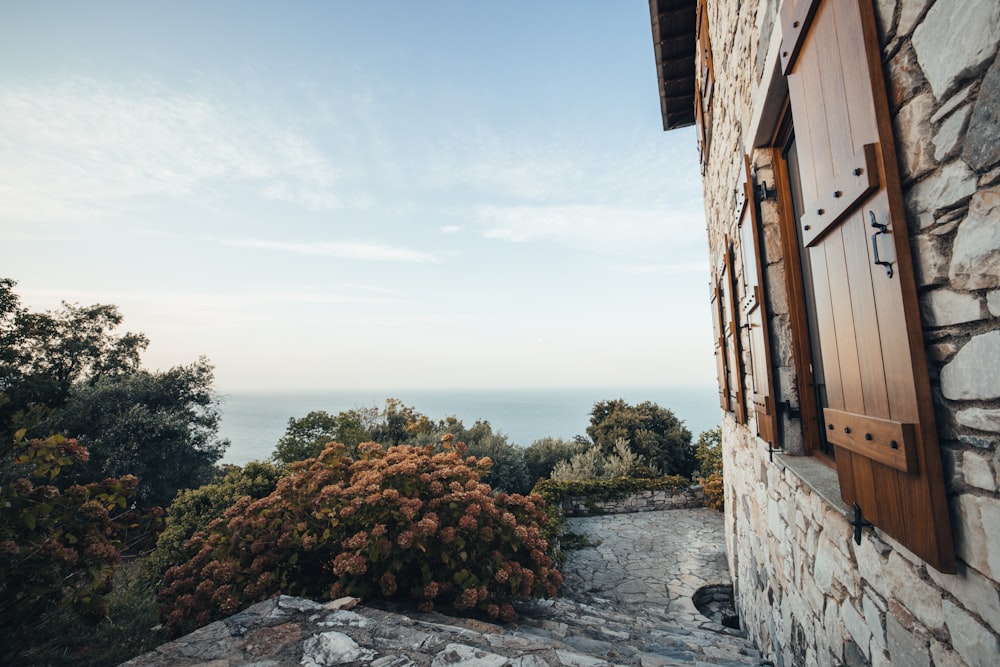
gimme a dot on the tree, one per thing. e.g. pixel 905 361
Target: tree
pixel 305 437
pixel 651 431
pixel 43 355
pixel 159 426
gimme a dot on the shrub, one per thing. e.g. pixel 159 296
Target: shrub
pixel 544 454
pixel 193 510
pixel 652 431
pixel 714 490
pixel 593 464
pixel 405 523
pixel 709 453
pixel 57 548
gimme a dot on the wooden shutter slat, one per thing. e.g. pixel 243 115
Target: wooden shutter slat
pixel 848 189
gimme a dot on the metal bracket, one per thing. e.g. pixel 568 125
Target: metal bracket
pixel 771 450
pixel 763 193
pixel 859 523
pixel 790 410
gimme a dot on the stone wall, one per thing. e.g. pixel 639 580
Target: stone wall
pixel 642 501
pixel 806 593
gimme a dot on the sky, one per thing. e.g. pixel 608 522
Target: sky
pixel 338 195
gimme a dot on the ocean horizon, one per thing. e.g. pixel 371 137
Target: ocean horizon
pixel 253 421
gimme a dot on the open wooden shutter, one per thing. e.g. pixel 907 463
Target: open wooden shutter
pixel 721 358
pixel 734 355
pixel 879 414
pixel 753 314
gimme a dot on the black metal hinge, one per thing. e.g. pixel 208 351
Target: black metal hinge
pixel 859 523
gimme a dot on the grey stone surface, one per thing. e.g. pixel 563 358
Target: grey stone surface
pixel 974 373
pixel 975 261
pixel 943 307
pixel 904 648
pixel 914 136
pixel 627 601
pixel 954 40
pixel 975 643
pixel 947 188
pixel 982 141
pixel 977 540
pixel 983 419
pixel 949 138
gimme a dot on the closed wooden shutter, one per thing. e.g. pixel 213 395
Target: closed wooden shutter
pixel 753 315
pixel 879 414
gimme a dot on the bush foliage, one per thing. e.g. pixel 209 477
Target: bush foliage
pixel 709 453
pixel 407 523
pixel 194 509
pixel 58 548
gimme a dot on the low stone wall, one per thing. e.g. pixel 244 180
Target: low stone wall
pixel 641 501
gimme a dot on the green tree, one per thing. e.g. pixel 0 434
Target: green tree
pixel 708 451
pixel 653 432
pixel 508 472
pixel 44 355
pixel 159 426
pixel 305 437
pixel 543 454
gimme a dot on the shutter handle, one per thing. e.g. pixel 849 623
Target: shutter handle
pixel 882 229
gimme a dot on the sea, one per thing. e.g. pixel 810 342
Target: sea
pixel 254 421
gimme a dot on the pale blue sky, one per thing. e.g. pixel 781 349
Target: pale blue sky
pixel 338 195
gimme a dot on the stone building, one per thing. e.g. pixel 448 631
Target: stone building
pixel 850 154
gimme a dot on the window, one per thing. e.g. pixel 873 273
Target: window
pixel 863 380
pixel 705 89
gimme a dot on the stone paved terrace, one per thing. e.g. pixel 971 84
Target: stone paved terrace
pixel 627 601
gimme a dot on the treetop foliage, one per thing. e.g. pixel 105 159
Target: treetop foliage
pixel 651 431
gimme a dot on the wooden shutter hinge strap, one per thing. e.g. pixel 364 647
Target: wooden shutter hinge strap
pixel 859 523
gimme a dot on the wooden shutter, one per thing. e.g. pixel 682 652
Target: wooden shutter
pixel 705 90
pixel 754 316
pixel 721 363
pixel 879 414
pixel 734 356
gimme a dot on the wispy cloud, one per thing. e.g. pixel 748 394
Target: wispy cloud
pixel 451 229
pixel 604 229
pixel 372 252
pixel 73 148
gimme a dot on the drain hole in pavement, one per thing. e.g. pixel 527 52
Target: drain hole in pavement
pixel 716 602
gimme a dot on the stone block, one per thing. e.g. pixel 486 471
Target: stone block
pixel 885 11
pixel 910 12
pixel 920 598
pixel 973 641
pixel 978 471
pixel 948 140
pixel 974 373
pixel 905 76
pixel 874 618
pixel 914 136
pixel 974 591
pixel 943 307
pixel 982 419
pixel 945 657
pixel 993 303
pixel 931 265
pixel 949 187
pixel 904 648
pixel 982 140
pixel 975 261
pixel 952 103
pixel 977 540
pixel 857 626
pixel 953 42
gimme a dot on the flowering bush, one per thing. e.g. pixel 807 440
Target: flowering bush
pixel 409 523
pixel 58 547
pixel 714 490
